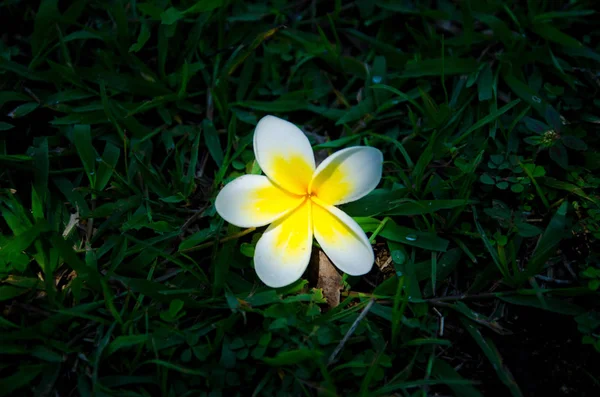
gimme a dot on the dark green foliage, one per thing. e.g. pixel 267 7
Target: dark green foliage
pixel 121 120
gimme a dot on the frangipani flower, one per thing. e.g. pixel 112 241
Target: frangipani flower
pixel 298 200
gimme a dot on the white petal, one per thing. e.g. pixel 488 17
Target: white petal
pixel 348 175
pixel 283 251
pixel 342 239
pixel 253 200
pixel 284 154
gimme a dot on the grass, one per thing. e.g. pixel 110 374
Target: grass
pixel 121 120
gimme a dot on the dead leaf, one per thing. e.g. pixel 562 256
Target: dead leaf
pixel 383 260
pixel 326 277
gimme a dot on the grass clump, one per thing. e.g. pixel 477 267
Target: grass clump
pixel 121 120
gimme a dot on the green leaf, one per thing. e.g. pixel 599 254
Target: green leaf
pixel 405 235
pixel 422 163
pixel 403 97
pixel 395 57
pixel 499 27
pixel 517 188
pixel 12 96
pixel 23 240
pixel 21 70
pixel 67 96
pixel 548 16
pixel 223 260
pixel 437 67
pixel 192 167
pixel 43 31
pixel 408 8
pixel 83 143
pixel 24 375
pixel 543 108
pixel 377 202
pixel 488 245
pixel 142 39
pixel 551 33
pixel 236 61
pixel 486 120
pixel 583 52
pixel 173 199
pixel 45 354
pixel 23 110
pixel 559 154
pixel 551 304
pixel 485 84
pixel 8 292
pixel 121 380
pixel 73 196
pixel 486 179
pixel 535 170
pixel 125 341
pixel 150 9
pixel 196 238
pixel 443 370
pixel 426 206
pixel 185 77
pixel 41 163
pixel 172 15
pixel 492 354
pixel 546 247
pixel 177 368
pixel 569 187
pixel 573 142
pixel 338 143
pixel 357 112
pixel 417 383
pixel 277 106
pixel 263 298
pixel 212 141
pixel 5 126
pixel 4 323
pixel 67 254
pixel 109 160
pixel 527 229
pixel 293 357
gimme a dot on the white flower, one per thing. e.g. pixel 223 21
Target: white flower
pixel 298 200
